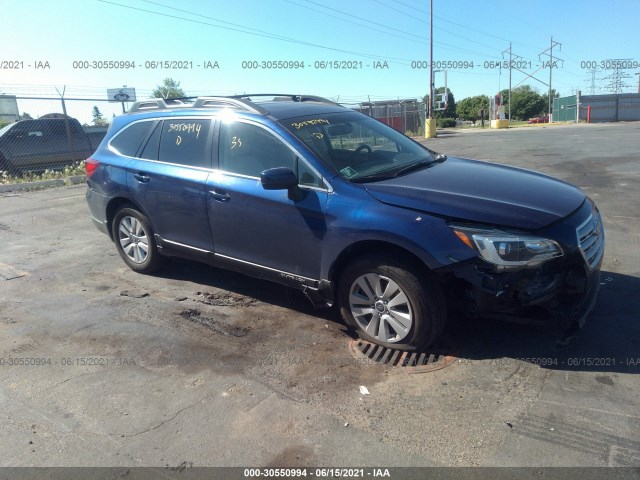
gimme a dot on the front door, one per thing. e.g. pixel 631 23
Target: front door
pixel 265 227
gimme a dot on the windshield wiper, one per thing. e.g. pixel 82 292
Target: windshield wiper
pixel 420 164
pixel 372 178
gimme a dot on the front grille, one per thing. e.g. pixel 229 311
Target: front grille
pixel 591 239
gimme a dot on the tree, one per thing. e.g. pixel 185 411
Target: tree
pixel 469 108
pixel 98 118
pixel 525 102
pixel 25 116
pixel 169 89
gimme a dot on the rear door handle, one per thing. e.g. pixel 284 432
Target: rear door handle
pixel 219 196
pixel 141 177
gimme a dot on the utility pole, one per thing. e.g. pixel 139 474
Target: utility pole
pixel 550 72
pixel 550 50
pixel 512 57
pixel 510 64
pixel 430 130
pixel 638 81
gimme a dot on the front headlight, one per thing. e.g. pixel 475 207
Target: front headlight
pixel 508 249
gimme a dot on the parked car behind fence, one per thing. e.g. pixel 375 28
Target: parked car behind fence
pixel 46 143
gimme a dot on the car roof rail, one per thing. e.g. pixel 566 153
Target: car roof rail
pixel 242 102
pixel 200 102
pixel 279 97
pixel 233 102
pixel 158 104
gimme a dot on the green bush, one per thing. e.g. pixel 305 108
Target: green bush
pixel 411 133
pixel 444 122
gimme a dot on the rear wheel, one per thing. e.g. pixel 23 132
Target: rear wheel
pixel 391 304
pixel 135 241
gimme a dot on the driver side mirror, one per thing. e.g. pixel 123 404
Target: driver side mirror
pixel 282 178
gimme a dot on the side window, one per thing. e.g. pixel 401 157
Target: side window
pixel 129 139
pixel 28 129
pixel 308 177
pixel 248 150
pixel 184 141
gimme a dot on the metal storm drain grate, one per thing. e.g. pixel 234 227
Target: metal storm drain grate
pixel 413 362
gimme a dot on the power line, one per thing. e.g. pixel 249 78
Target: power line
pixel 402 61
pixel 422 40
pixel 437 28
pixel 400 11
pixel 361 18
pixel 412 7
pixel 445 46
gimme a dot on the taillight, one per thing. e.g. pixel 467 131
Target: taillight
pixel 91 165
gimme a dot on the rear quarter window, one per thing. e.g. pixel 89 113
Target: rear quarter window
pixel 128 141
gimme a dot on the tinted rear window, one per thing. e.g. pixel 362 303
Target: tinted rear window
pixel 128 140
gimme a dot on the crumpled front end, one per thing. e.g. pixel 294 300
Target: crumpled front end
pixel 563 288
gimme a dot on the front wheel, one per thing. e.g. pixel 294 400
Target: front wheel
pixel 135 241
pixel 391 304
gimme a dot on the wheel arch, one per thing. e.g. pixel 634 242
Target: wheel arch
pixel 116 204
pixel 375 247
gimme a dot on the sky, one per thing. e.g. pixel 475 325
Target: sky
pixel 385 44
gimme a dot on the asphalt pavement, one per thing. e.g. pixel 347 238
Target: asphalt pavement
pixel 101 366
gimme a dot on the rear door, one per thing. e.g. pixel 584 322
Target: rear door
pixel 167 178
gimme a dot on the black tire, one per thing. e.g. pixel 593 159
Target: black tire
pixel 131 248
pixel 425 303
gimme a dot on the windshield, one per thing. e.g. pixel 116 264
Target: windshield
pixel 357 146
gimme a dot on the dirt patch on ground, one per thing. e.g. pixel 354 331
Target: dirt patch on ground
pixel 213 324
pixel 224 300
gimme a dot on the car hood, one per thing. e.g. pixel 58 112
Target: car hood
pixel 481 192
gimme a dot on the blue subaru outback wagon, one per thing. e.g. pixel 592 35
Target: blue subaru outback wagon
pixel 305 192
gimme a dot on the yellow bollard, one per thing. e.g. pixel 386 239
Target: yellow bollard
pixel 500 123
pixel 430 128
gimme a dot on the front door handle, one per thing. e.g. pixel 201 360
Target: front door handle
pixel 219 196
pixel 141 177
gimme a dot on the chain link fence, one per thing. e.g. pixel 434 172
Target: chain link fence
pixel 48 137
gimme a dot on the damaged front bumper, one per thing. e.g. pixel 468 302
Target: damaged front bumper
pixel 563 289
pixel 566 294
